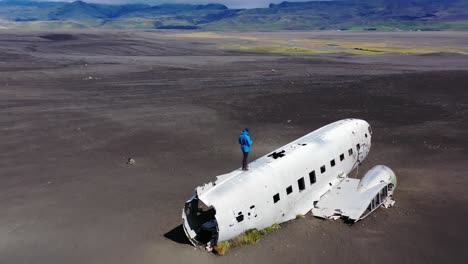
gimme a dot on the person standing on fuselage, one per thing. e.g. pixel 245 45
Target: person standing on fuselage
pixel 245 142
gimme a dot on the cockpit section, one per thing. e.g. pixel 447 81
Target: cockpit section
pixel 200 223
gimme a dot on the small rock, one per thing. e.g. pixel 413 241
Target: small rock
pixel 273 70
pixel 131 161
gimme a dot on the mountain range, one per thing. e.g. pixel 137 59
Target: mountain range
pixel 336 15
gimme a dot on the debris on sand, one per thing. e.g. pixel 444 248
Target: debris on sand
pixel 131 161
pixel 91 78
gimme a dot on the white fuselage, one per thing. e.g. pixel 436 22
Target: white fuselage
pixel 287 182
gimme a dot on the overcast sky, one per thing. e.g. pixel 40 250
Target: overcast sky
pixel 229 3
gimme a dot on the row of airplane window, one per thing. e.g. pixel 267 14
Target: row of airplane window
pixel 312 176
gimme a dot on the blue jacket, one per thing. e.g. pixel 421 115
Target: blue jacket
pixel 245 141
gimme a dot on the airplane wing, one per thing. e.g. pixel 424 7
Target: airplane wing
pixel 347 200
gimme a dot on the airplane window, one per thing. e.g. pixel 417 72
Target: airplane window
pixel 350 152
pixel 301 184
pixel 341 157
pixel 322 169
pixel 332 162
pixel 276 198
pixel 312 177
pixel 358 146
pixel 289 190
pixel 366 135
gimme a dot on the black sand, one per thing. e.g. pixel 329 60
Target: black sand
pixel 75 106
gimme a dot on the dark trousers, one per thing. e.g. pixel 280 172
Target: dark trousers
pixel 244 160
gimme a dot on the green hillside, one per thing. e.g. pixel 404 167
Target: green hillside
pixel 330 15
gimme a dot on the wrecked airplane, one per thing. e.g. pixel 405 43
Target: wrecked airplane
pixel 308 174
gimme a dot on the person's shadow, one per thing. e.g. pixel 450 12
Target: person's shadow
pixel 177 235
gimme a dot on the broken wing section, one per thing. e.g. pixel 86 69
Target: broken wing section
pixel 354 199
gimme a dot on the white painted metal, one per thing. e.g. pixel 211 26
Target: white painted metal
pixel 352 197
pixel 245 199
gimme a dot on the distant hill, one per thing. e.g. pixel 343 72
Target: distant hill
pixel 339 14
pixel 80 10
pixel 353 14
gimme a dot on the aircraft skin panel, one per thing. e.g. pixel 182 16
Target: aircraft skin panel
pixel 344 200
pixel 245 199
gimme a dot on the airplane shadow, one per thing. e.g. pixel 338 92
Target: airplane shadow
pixel 178 235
